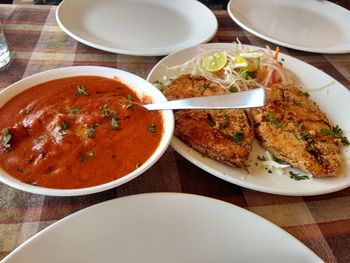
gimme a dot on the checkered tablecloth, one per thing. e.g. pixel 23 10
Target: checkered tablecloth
pixel 37 44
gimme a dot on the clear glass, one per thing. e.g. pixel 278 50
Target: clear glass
pixel 4 50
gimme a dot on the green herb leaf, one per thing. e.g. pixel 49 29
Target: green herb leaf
pixel 90 132
pixel 336 132
pixel 223 121
pixel 296 103
pixel 247 75
pixel 114 123
pixel 85 156
pixel 237 137
pixel 306 94
pixel 63 128
pixel 205 85
pixel 106 111
pixel 152 128
pixel 131 103
pixel 277 160
pixel 81 91
pixel 6 138
pixel 306 136
pixel 271 118
pixel 298 177
pixel 325 132
pixel 74 111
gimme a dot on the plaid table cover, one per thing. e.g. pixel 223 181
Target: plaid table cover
pixel 37 44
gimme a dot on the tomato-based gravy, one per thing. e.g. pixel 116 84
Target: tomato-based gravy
pixel 76 132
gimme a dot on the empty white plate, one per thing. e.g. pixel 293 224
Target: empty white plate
pixel 137 27
pixel 313 25
pixel 162 227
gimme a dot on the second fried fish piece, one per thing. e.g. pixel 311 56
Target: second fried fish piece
pixel 293 128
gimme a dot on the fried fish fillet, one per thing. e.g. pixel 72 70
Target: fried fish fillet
pixel 292 127
pixel 224 135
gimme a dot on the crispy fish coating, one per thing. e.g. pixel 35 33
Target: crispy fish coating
pixel 290 126
pixel 224 135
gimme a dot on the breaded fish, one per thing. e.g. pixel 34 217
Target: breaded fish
pixel 294 129
pixel 224 135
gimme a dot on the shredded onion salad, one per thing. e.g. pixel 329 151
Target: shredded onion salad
pixel 234 69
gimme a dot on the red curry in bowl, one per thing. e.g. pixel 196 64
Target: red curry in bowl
pixel 76 132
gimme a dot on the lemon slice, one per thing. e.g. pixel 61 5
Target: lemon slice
pixel 244 64
pixel 215 61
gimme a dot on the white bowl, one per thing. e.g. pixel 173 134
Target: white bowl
pixel 139 85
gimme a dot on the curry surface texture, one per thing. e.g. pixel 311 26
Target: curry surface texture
pixel 76 132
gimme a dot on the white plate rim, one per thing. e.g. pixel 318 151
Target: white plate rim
pixel 326 50
pixel 70 71
pixel 211 19
pixel 199 160
pixel 147 197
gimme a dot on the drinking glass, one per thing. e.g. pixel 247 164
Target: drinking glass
pixel 4 50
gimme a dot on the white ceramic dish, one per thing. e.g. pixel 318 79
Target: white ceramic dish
pixel 162 227
pixel 139 85
pixel 333 100
pixel 315 26
pixel 137 27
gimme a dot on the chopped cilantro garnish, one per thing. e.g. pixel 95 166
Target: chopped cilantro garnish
pixel 90 131
pixel 306 136
pixel 6 137
pixel 298 177
pixel 224 121
pixel 271 118
pixel 205 85
pixel 296 103
pixel 336 132
pixel 81 91
pixel 114 123
pixel 131 103
pixel 74 111
pixel 237 137
pixel 63 128
pixel 106 111
pixel 325 132
pixel 152 128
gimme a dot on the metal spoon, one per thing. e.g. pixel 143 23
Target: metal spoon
pixel 239 100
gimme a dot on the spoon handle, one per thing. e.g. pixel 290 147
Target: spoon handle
pixel 239 100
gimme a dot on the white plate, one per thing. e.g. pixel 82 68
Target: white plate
pixel 333 100
pixel 137 27
pixel 162 227
pixel 315 26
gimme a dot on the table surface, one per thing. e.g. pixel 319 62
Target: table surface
pixel 37 44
